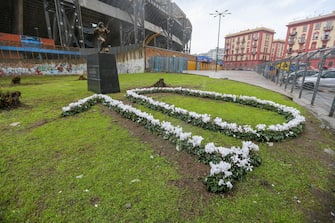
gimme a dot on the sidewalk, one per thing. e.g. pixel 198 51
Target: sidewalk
pixel 253 78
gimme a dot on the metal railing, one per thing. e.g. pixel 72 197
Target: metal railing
pixel 308 75
pixel 14 50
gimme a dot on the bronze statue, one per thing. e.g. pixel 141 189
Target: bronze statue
pixel 102 32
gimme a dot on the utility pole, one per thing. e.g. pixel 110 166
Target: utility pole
pixel 219 14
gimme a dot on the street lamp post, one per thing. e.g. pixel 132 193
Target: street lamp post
pixel 220 14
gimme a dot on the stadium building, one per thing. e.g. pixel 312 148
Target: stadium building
pixel 70 23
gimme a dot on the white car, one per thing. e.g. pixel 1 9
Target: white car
pixel 327 79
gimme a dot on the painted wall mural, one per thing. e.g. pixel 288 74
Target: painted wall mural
pixel 52 68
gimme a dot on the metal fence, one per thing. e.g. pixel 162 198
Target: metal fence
pixel 167 64
pixel 309 75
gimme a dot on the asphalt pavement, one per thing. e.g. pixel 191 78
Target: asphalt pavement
pixel 256 79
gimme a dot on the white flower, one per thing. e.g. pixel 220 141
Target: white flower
pixel 229 185
pixel 221 167
pixel 210 148
pixel 249 167
pixel 250 145
pixel 261 127
pixel 224 151
pixel 196 140
pixel 185 135
pixel 206 118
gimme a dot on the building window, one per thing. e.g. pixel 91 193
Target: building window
pixel 313 46
pixel 329 23
pixel 316 35
pixel 293 31
pixel 304 28
pixel 317 26
pixel 267 36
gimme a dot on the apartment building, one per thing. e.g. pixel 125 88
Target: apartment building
pixel 248 48
pixel 310 34
pixel 277 50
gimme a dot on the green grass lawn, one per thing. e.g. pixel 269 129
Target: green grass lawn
pixel 91 168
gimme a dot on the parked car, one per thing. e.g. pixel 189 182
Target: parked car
pixel 327 79
pixel 290 77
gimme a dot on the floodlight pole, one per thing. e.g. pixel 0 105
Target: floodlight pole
pixel 220 14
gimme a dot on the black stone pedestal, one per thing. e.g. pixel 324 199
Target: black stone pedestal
pixel 102 76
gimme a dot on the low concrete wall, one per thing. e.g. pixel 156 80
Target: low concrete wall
pixel 43 68
pixel 129 59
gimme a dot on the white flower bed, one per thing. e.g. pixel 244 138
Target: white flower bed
pixel 277 132
pixel 227 164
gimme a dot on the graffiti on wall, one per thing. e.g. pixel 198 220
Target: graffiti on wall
pixel 51 68
pixel 64 68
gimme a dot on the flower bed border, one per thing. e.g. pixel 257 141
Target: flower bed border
pixel 292 128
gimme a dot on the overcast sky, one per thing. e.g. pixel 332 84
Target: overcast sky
pixel 246 14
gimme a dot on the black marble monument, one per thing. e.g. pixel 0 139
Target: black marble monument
pixel 102 75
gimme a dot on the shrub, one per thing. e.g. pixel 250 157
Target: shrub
pixel 9 99
pixel 16 80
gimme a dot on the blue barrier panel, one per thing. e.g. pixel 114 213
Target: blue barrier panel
pixel 30 41
pixel 38 50
pixel 167 64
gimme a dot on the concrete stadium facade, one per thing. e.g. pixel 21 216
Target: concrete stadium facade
pixel 70 23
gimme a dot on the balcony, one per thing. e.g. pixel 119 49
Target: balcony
pixel 293 33
pixel 291 42
pixel 328 28
pixel 254 45
pixel 301 40
pixel 325 38
pixel 255 38
pixel 242 46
